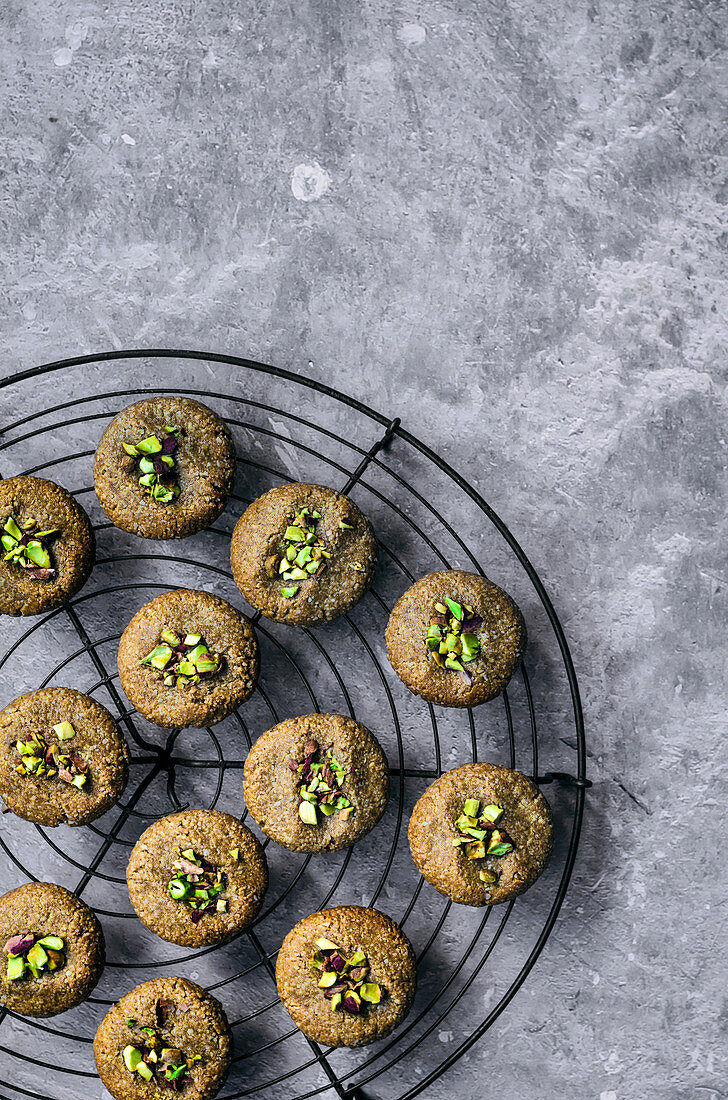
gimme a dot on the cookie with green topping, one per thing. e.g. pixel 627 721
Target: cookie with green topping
pixel 347 976
pixel 164 468
pixel 481 834
pixel 63 759
pixel 316 783
pixel 48 546
pixel 188 658
pixel 167 1035
pixel 455 638
pixel 197 877
pixel 303 554
pixel 52 950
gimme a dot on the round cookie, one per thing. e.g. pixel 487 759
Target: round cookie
pixel 53 949
pixel 481 834
pixel 347 976
pixel 188 658
pixel 63 759
pixel 194 853
pixel 48 546
pixel 303 554
pixel 164 468
pixel 166 1035
pixel 311 754
pixel 455 638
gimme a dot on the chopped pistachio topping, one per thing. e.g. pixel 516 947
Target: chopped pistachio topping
pixel 181 660
pixel 197 884
pixel 40 755
pixel 450 639
pixel 302 554
pixel 321 779
pixel 155 461
pixel 344 982
pixel 157 1061
pixel 28 954
pixel 478 838
pixel 28 548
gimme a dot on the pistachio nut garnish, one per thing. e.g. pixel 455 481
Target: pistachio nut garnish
pixel 182 659
pixel 154 1060
pixel 197 884
pixel 42 755
pixel 321 779
pixel 302 554
pixel 450 640
pixel 30 954
pixel 478 837
pixel 28 548
pixel 344 981
pixel 155 461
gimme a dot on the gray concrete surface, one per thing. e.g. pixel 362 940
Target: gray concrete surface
pixel 505 223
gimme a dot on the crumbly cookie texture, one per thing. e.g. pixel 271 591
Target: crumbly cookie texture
pixel 43 910
pixel 389 966
pixel 197 877
pixel 445 837
pixel 63 759
pixel 30 506
pixel 185 1028
pixel 175 498
pixel 316 783
pixel 464 666
pixel 198 702
pixel 303 554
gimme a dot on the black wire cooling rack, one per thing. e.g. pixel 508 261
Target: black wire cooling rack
pixel 286 428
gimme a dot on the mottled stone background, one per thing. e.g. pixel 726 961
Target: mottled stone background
pixel 506 223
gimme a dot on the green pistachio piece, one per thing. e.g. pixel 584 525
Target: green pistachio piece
pixel 9 542
pixel 146 465
pixel 186 668
pixel 307 813
pixel 500 849
pixel 79 780
pixel 294 534
pixel 15 968
pixel 471 807
pixel 170 637
pixel 132 1057
pixel 441 608
pixel 148 480
pixel 452 643
pixel 475 850
pixel 178 889
pixel 12 528
pixel 453 662
pixel 159 657
pixel 144 1071
pixel 370 992
pixel 288 592
pixel 149 446
pixel 192 639
pixel 326 945
pixel 358 957
pixel 130 449
pixel 64 731
pixel 221 905
pixel 487 876
pixel 36 956
pixel 327 809
pixel 235 854
pixel 328 978
pixel 335 1001
pixel 492 813
pixel 38 555
pixel 455 608
pixel 54 942
pixel 346 526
